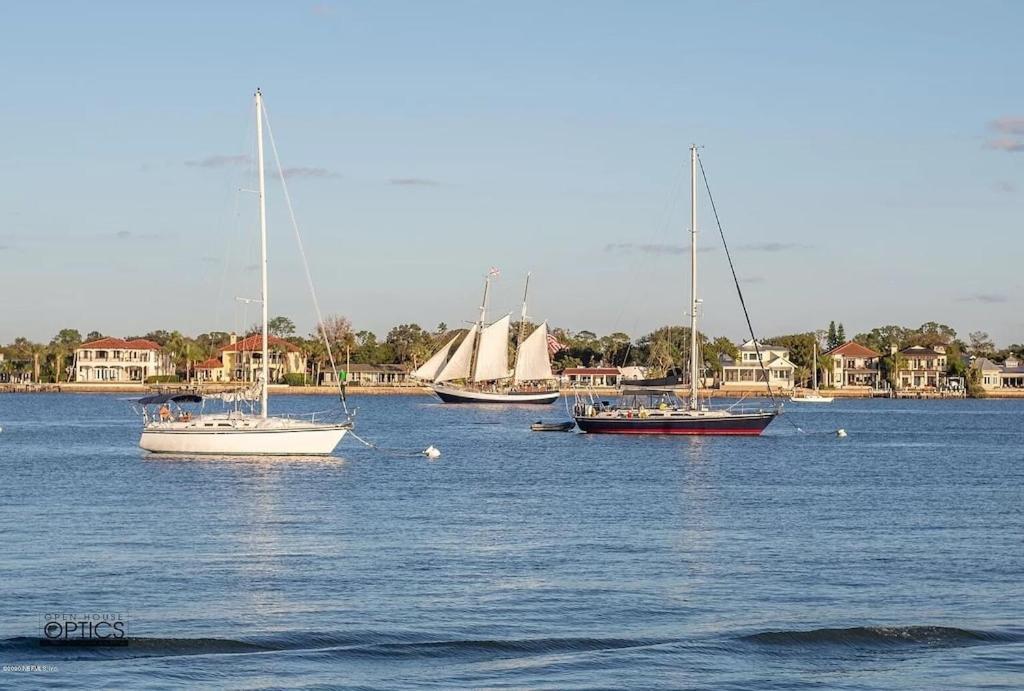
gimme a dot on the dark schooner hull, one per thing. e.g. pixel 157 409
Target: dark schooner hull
pixel 451 394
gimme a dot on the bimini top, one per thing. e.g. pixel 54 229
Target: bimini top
pixel 170 397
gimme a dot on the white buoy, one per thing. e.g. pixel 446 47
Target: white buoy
pixel 840 432
pixel 431 452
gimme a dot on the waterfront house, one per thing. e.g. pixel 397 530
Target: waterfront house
pixel 242 359
pixel 378 375
pixel 591 376
pixel 746 373
pixel 853 365
pixel 921 368
pixel 117 361
pixel 993 376
pixel 211 370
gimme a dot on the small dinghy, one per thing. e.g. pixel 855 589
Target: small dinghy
pixel 552 426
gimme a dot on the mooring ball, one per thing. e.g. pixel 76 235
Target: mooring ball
pixel 840 432
pixel 431 452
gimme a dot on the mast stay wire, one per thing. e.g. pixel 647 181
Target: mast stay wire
pixel 305 265
pixel 739 291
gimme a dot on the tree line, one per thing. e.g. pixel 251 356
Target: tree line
pixel 660 351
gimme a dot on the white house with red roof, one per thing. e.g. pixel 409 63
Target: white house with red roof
pixel 117 361
pixel 242 360
pixel 853 365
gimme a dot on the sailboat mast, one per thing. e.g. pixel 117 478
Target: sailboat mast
pixel 263 252
pixel 480 325
pixel 815 364
pixel 694 374
pixel 522 313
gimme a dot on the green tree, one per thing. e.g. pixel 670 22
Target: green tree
pixel 833 336
pixel 409 343
pixel 93 336
pixel 62 346
pixel 282 327
pixel 840 335
pixel 981 344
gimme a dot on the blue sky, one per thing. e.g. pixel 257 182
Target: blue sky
pixel 866 159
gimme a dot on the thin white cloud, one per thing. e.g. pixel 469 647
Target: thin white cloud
pixel 1008 144
pixel 1008 125
pixel 424 182
pixel 220 161
pixel 308 172
pixel 985 298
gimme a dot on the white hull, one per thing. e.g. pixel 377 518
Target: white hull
pixel 452 394
pixel 811 399
pixel 248 436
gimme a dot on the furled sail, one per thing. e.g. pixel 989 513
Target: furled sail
pixel 492 356
pixel 532 362
pixel 458 366
pixel 429 370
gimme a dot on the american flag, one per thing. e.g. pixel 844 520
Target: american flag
pixel 554 346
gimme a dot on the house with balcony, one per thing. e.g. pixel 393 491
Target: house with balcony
pixel 751 372
pixel 117 361
pixel 853 366
pixel 921 368
pixel 242 360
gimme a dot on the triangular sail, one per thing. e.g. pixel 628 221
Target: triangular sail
pixel 429 370
pixel 532 362
pixel 492 356
pixel 458 366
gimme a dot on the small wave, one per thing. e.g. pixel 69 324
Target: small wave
pixel 878 636
pixel 378 646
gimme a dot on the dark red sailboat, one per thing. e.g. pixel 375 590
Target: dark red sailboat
pixel 666 411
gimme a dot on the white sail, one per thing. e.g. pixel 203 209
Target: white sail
pixel 429 370
pixel 458 366
pixel 532 362
pixel 492 355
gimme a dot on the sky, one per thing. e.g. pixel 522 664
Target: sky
pixel 866 160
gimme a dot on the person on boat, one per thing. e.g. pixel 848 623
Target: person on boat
pixel 165 413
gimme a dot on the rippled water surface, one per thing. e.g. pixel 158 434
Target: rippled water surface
pixel 893 558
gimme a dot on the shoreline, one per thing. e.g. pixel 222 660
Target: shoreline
pixel 284 390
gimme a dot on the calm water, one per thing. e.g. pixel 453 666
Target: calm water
pixel 893 558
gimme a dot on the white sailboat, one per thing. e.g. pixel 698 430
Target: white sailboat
pixel 816 396
pixel 478 371
pixel 236 432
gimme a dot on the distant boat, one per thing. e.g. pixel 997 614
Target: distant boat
pixel 553 426
pixel 654 406
pixel 478 371
pixel 816 396
pixel 167 428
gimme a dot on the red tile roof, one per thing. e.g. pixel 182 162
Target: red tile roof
pixel 255 342
pixel 120 343
pixel 852 349
pixel 212 363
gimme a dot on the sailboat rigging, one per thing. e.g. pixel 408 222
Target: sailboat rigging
pixel 478 371
pixel 236 432
pixel 649 409
pixel 815 396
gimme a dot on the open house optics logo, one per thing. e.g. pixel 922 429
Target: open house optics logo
pixel 81 628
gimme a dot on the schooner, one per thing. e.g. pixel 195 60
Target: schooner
pixel 478 369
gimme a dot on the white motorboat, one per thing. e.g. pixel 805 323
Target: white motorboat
pixel 171 429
